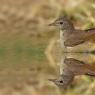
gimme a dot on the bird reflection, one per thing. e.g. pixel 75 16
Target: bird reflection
pixel 72 68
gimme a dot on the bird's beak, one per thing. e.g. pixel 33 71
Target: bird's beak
pixel 52 24
pixel 51 80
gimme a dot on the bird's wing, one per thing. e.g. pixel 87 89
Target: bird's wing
pixel 74 40
pixel 74 66
pixel 73 62
pixel 79 37
pixel 79 67
pixel 90 34
pixel 72 43
pixel 90 30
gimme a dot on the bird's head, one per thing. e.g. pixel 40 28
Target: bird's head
pixel 62 22
pixel 59 82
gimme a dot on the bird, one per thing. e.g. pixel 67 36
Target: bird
pixel 69 36
pixel 73 68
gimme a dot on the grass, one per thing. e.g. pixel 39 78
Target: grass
pixel 16 51
pixel 24 45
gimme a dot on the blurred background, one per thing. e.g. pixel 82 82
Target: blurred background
pixel 29 53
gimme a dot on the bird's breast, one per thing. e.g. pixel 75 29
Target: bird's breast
pixel 62 38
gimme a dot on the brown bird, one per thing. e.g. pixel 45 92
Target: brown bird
pixel 72 68
pixel 69 36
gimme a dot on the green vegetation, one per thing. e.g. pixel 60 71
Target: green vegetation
pixel 24 39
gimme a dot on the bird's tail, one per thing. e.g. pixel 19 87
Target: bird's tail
pixel 91 34
pixel 90 72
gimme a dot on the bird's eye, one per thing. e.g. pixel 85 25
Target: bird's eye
pixel 61 81
pixel 61 22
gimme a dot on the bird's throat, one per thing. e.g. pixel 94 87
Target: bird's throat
pixel 62 38
pixel 65 33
